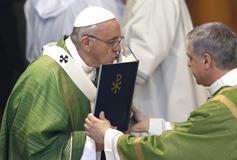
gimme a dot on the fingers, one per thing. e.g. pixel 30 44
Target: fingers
pixel 90 116
pixel 86 130
pixel 131 114
pixel 114 127
pixel 87 120
pixel 92 119
pixel 86 124
pixel 134 109
pixel 102 115
pixel 87 133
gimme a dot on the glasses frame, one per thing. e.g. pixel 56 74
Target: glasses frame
pixel 112 44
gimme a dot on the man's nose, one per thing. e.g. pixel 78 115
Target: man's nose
pixel 117 48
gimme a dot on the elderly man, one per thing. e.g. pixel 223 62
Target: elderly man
pixel 45 112
pixel 44 16
pixel 210 131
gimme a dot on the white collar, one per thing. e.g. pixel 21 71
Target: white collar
pixel 229 79
pixel 90 71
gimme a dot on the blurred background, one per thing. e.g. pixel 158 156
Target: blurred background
pixel 224 11
pixel 13 34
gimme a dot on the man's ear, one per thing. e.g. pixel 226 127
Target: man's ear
pixel 85 43
pixel 207 60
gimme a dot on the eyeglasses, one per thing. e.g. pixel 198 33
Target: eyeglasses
pixel 112 44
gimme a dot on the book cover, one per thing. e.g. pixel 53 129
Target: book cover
pixel 115 92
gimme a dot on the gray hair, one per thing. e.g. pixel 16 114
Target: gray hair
pixel 217 40
pixel 79 32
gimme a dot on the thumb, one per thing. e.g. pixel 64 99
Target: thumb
pixel 102 115
pixel 134 109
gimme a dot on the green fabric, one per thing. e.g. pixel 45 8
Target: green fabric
pixel 210 133
pixel 44 110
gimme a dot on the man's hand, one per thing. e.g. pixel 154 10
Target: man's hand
pixel 96 128
pixel 139 122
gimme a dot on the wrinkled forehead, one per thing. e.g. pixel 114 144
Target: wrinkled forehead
pixel 110 28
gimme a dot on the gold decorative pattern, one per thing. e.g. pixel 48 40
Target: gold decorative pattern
pixel 228 104
pixel 138 148
pixel 172 125
pixel 116 85
pixel 225 89
pixel 119 151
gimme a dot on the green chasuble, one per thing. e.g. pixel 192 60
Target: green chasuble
pixel 45 114
pixel 210 133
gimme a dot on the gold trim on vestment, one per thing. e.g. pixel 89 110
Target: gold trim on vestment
pixel 225 89
pixel 172 125
pixel 119 151
pixel 138 149
pixel 228 104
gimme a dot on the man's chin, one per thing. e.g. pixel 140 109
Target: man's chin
pixel 198 82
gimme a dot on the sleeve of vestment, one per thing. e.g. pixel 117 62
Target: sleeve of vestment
pixel 156 126
pixel 110 140
pixel 208 134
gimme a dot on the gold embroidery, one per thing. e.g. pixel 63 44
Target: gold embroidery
pixel 172 125
pixel 225 89
pixel 230 105
pixel 119 151
pixel 117 84
pixel 138 148
pixel 227 102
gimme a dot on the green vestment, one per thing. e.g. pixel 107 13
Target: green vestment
pixel 45 114
pixel 210 133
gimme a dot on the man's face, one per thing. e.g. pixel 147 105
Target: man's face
pixel 102 52
pixel 195 64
